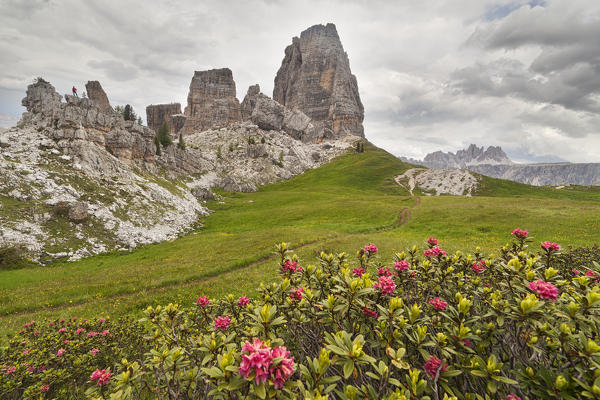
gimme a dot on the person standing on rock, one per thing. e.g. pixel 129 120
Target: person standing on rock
pixel 75 91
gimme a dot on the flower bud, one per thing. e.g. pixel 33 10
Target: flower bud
pixel 395 303
pixel 464 305
pixel 550 273
pixel 592 347
pixel 572 308
pixel 561 383
pixel 530 275
pixel 530 372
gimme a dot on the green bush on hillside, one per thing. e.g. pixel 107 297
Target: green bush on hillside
pixel 519 323
pixel 164 137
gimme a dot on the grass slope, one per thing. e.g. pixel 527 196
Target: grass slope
pixel 338 207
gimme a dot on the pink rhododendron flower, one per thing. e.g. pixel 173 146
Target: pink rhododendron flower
pixel 65 342
pixel 101 375
pixel 27 325
pixel 74 319
pixel 25 352
pixel 369 313
pixel 513 397
pixel 24 342
pixel 10 370
pixel 591 274
pixel 545 290
pixel 551 246
pixel 358 271
pixel 519 233
pixel 434 252
pixel 296 294
pixel 92 334
pixel 79 330
pixel 31 368
pixel 576 271
pixel 478 267
pixel 438 303
pixel 280 371
pixel 62 330
pixel 385 272
pixel 385 284
pixel 95 351
pixel 257 359
pixel 45 388
pixel 60 352
pixel 203 301
pixel 433 364
pixel 51 324
pixel 101 320
pixel 105 332
pixel 41 369
pixel 401 265
pixel 371 248
pixel 222 323
pixel 36 333
pixel 243 301
pixel 432 241
pixel 291 266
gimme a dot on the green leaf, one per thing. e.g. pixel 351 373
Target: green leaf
pixel 348 368
pixel 260 391
pixel 504 379
pixel 479 373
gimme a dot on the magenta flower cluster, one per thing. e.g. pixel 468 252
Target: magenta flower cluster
pixel 203 301
pixel 358 271
pixel 385 284
pixel 438 303
pixel 478 267
pixel 401 265
pixel 243 301
pixel 520 233
pixel 545 290
pixel 432 241
pixel 101 375
pixel 551 246
pixel 222 323
pixel 370 248
pixel 296 294
pixel 291 266
pixel 261 362
pixel 433 365
pixel 434 252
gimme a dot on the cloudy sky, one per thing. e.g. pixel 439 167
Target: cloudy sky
pixel 433 75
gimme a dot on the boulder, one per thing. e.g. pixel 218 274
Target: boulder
pixel 267 113
pixel 78 211
pixel 315 78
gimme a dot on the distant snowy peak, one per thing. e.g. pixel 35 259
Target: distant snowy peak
pixel 473 155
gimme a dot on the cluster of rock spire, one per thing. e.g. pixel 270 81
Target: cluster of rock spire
pixel 315 96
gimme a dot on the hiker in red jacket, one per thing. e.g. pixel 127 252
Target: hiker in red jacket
pixel 75 91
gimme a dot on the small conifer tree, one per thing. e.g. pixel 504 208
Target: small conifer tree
pixel 181 143
pixel 157 143
pixel 163 135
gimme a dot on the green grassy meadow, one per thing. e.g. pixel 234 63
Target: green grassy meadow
pixel 341 206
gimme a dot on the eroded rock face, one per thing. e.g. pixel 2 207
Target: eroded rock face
pixel 315 77
pixel 267 113
pixel 249 102
pixel 211 101
pixel 98 95
pixel 157 114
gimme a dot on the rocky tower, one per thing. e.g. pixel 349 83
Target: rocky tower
pixel 98 95
pixel 211 101
pixel 315 77
pixel 156 114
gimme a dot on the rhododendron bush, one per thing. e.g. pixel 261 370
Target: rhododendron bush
pixel 426 324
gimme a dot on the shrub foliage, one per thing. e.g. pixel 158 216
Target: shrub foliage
pixel 425 325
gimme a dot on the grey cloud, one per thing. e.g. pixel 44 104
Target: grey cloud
pixel 115 69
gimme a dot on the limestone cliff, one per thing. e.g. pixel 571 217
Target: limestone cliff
pixel 157 114
pixel 211 101
pixel 315 77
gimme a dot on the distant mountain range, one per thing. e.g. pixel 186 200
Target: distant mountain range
pixel 494 162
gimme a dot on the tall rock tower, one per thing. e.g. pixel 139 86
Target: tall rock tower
pixel 315 77
pixel 211 101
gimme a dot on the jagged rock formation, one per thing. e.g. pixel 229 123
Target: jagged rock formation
pixel 473 155
pixel 98 95
pixel 495 163
pixel 77 181
pixel 454 182
pixel 249 102
pixel 157 114
pixel 211 101
pixel 315 77
pixel 544 173
pixel 269 114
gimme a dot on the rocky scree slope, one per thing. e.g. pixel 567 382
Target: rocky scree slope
pixel 436 182
pixel 80 181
